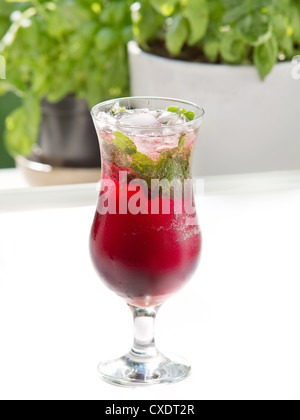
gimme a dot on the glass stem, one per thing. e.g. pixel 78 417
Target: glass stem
pixel 144 322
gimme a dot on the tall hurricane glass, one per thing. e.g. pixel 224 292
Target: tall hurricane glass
pixel 145 240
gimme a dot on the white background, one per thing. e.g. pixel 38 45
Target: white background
pixel 237 321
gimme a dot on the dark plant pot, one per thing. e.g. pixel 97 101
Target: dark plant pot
pixel 67 137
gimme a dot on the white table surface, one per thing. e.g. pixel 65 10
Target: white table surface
pixel 237 321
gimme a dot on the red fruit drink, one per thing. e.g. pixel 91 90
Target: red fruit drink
pixel 141 256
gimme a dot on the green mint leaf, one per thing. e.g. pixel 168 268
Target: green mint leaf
pixel 255 28
pixel 165 167
pixel 146 23
pixel 106 39
pixel 236 9
pixel 171 163
pixel 177 34
pixel 143 167
pixel 111 153
pixel 197 14
pixel 265 57
pixel 211 48
pixel 124 143
pixel 190 115
pixel 175 109
pixel 164 7
pixel 142 160
pixel 233 49
pixel 181 142
pixel 174 163
pixel 235 12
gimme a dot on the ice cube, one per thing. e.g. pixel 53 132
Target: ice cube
pixel 139 120
pixel 170 118
pixel 105 118
pixel 141 111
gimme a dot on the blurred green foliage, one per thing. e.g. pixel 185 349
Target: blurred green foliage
pixel 225 31
pixel 8 102
pixel 54 48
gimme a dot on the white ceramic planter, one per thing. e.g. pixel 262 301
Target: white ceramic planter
pixel 250 126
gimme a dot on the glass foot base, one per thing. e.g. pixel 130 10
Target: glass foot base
pixel 132 370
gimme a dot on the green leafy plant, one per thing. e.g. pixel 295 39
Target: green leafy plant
pixel 56 48
pixel 259 32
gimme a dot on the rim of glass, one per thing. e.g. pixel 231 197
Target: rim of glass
pixel 198 118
